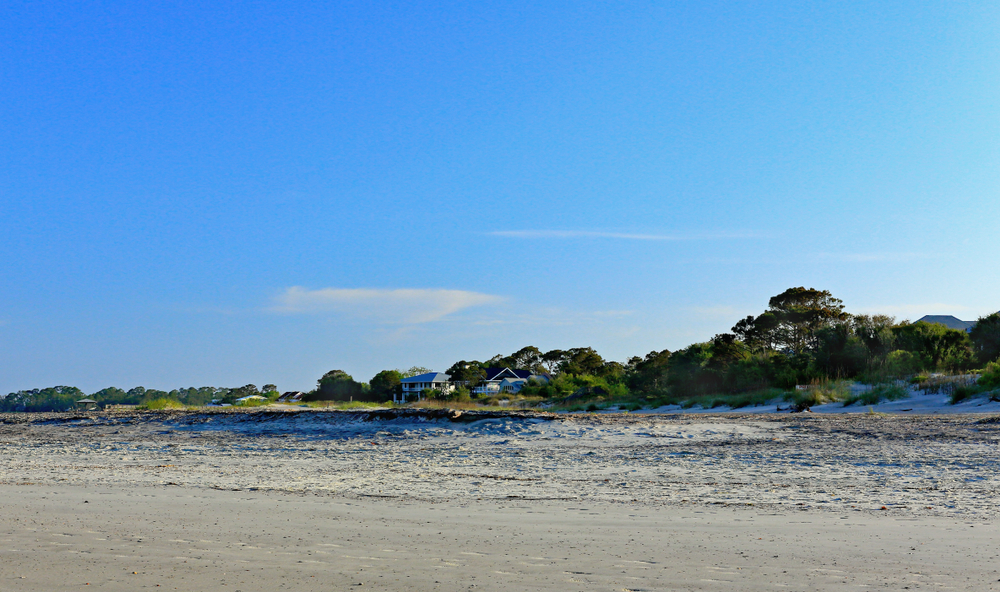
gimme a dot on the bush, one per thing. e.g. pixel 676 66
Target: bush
pixel 163 403
pixel 902 363
pixel 990 377
pixel 818 394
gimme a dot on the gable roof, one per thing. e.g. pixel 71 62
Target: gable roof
pixel 498 373
pixel 948 321
pixel 428 377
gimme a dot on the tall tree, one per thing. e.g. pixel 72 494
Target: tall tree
pixel 553 360
pixel 800 313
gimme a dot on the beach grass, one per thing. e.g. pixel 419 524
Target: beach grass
pixel 876 395
pixel 162 403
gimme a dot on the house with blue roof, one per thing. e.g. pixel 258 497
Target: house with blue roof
pixel 415 385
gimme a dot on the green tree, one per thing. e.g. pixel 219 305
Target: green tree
pixel 336 385
pixel 56 398
pixel 110 396
pixel 386 384
pixel 985 337
pixel 582 361
pixel 468 374
pixel 528 358
pixel 553 360
pixel 649 374
pixel 416 371
pixel 800 313
pixel 759 334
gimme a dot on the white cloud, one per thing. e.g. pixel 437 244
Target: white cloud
pixel 545 234
pixel 404 306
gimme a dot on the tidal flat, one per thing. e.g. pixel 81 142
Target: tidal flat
pixel 499 501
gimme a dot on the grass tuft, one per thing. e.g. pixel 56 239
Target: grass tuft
pixel 162 403
pixel 877 394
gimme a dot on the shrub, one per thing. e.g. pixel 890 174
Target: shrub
pixel 902 363
pixel 818 394
pixel 163 403
pixel 991 375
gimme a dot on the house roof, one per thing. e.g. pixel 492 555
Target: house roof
pixel 495 373
pixel 429 377
pixel 948 321
pixel 513 381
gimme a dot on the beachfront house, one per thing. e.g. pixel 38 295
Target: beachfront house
pixel 514 385
pixel 413 386
pixel 505 380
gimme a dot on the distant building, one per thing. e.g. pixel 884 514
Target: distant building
pixel 514 385
pixel 948 321
pixel 414 385
pixel 86 405
pixel 506 380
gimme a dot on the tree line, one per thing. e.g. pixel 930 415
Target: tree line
pixel 62 398
pixel 803 336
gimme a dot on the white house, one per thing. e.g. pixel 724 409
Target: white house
pixel 514 385
pixel 291 396
pixel 414 385
pixel 505 380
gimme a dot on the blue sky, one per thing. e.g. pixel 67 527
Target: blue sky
pixel 250 193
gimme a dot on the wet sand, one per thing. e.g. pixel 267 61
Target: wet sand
pixel 328 501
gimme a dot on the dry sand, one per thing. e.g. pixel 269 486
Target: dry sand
pixel 325 501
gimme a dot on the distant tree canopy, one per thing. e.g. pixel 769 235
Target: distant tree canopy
pixel 62 398
pixel 336 385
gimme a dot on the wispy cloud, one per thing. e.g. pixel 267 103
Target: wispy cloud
pixel 570 234
pixel 873 257
pixel 403 306
pixel 719 312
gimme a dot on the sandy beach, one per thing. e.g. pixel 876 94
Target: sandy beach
pixel 328 500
